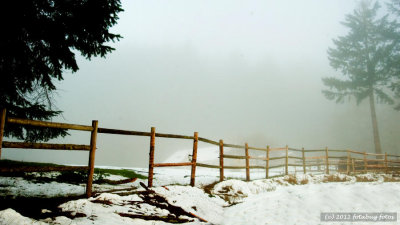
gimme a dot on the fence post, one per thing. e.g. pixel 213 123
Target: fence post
pixel 327 160
pixel 348 162
pixel 221 160
pixel 386 163
pixel 151 156
pixel 352 165
pixel 365 162
pixel 267 166
pixel 247 162
pixel 287 161
pixel 304 160
pixel 194 158
pixel 93 139
pixel 2 123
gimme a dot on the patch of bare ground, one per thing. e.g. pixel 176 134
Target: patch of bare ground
pixel 209 187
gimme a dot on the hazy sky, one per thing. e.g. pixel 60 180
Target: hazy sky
pixel 233 70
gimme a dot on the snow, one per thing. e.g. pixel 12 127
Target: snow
pixel 211 156
pixel 106 214
pixel 303 204
pixel 19 187
pixel 191 199
pixel 194 200
pixel 11 217
pixel 294 199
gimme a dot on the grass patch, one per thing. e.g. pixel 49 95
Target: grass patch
pixel 121 172
pixel 73 177
pixel 390 179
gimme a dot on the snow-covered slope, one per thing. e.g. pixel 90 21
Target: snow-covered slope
pixel 286 200
pixel 304 204
pixel 204 155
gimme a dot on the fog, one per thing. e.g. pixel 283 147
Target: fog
pixel 241 71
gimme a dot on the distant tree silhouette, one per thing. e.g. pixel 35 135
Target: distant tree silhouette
pixel 38 43
pixel 365 58
pixel 394 7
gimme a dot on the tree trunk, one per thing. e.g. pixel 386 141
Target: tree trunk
pixel 377 142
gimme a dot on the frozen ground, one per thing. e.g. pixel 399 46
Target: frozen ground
pixel 286 200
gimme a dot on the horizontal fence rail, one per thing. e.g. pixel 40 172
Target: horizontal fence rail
pixel 208 141
pixel 207 165
pixel 43 169
pixel 38 123
pixel 122 132
pixel 138 133
pixel 28 145
pixel 258 158
pixel 234 157
pixel 172 164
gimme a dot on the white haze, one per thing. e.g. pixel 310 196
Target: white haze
pixel 233 70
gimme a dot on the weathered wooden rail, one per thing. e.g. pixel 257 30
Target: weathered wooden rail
pixel 344 163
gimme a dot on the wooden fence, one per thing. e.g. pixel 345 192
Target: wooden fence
pixel 72 147
pixel 352 163
pixel 348 162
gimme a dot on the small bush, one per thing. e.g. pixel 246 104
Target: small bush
pixel 334 178
pixel 390 179
pixel 363 179
pixel 292 179
pixel 304 181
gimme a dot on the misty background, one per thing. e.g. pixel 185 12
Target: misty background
pixel 241 71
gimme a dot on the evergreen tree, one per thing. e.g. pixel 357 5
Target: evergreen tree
pixel 364 57
pixel 394 7
pixel 39 41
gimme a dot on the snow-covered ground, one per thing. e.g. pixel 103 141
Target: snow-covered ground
pixel 292 199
